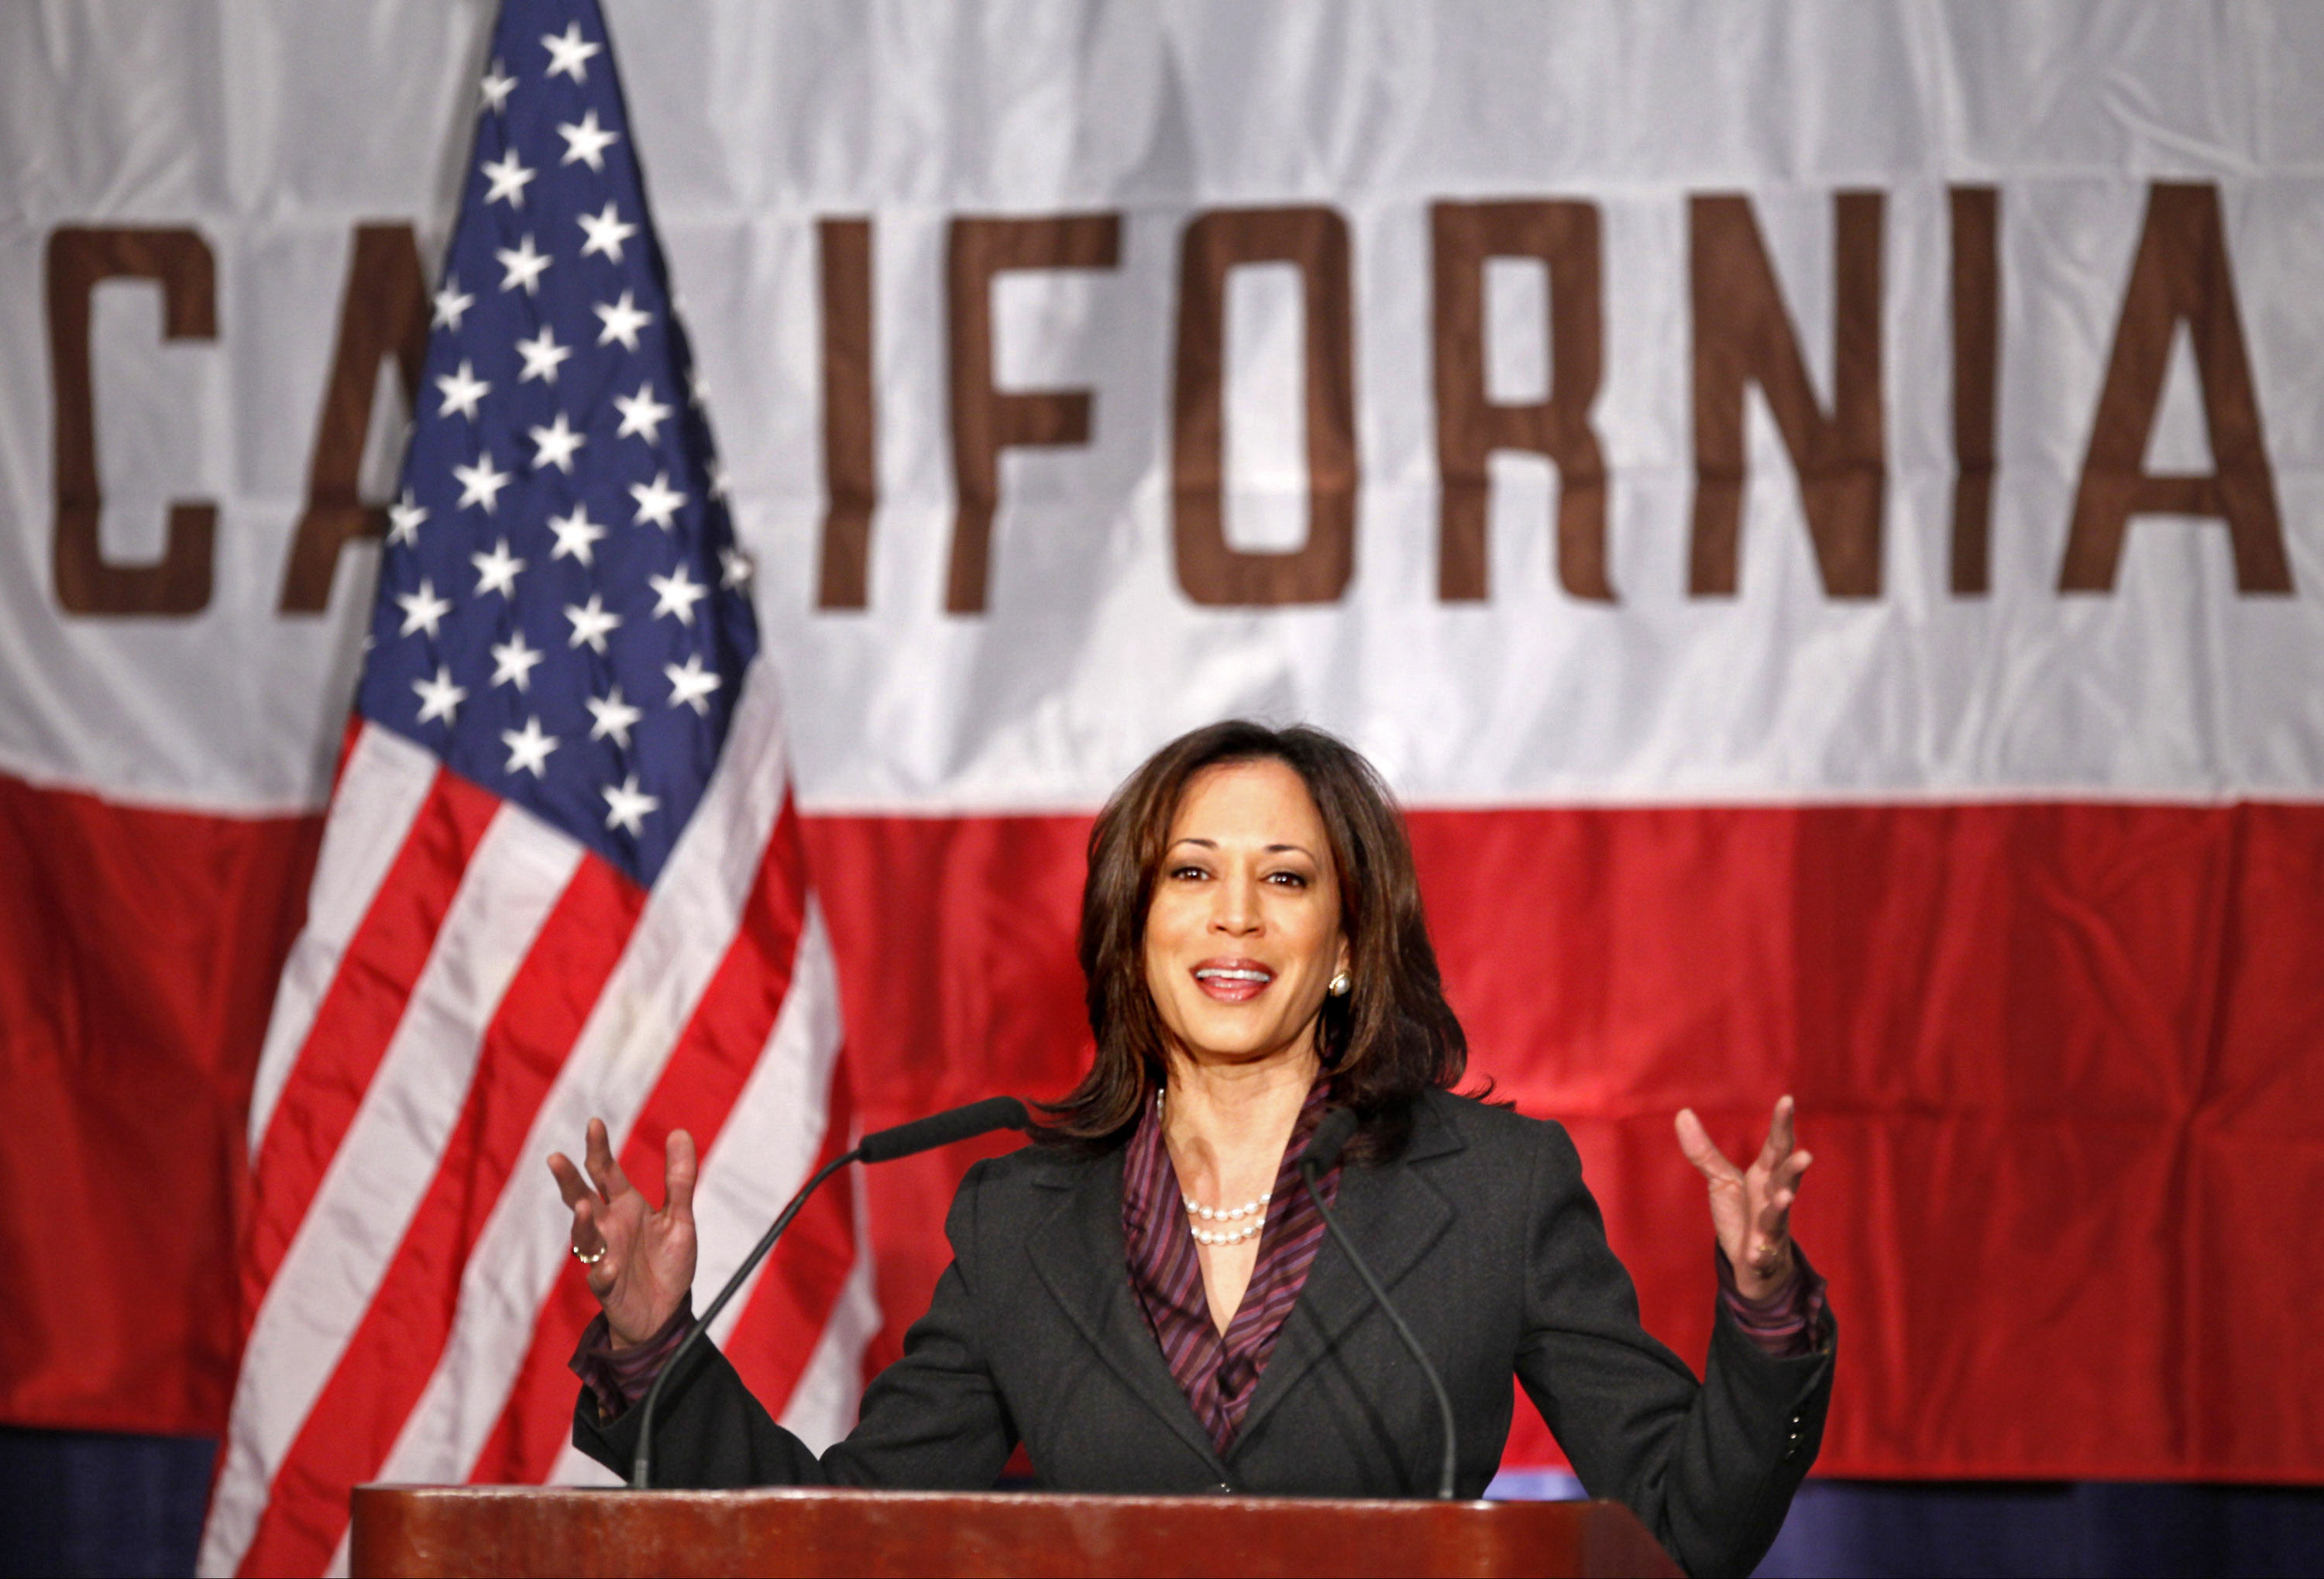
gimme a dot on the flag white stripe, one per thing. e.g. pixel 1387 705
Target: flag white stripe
pixel 829 1391
pixel 384 786
pixel 767 1145
pixel 689 920
pixel 381 1170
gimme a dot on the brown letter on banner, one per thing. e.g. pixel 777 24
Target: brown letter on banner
pixel 850 464
pixel 1470 426
pixel 180 584
pixel 1977 366
pixel 986 421
pixel 1742 335
pixel 382 313
pixel 1211 571
pixel 2181 273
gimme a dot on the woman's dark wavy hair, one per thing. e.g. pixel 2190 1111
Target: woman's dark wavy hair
pixel 1392 1037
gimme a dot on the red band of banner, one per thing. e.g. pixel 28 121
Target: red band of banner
pixel 2056 1063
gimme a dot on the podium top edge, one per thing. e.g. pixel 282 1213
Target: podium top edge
pixel 1212 1500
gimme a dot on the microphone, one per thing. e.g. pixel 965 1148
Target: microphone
pixel 959 1123
pixel 1331 1138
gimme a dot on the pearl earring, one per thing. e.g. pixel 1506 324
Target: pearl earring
pixel 1340 985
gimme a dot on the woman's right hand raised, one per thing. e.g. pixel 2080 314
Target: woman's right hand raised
pixel 648 1262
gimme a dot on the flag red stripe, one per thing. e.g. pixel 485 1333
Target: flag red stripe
pixel 536 1422
pixel 697 1089
pixel 395 1349
pixel 357 1020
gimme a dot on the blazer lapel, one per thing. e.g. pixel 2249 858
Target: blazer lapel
pixel 1077 1250
pixel 1394 1214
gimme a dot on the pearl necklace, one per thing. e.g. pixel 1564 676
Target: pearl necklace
pixel 1255 1210
pixel 1242 1230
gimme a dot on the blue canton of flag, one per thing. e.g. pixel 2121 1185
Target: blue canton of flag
pixel 563 616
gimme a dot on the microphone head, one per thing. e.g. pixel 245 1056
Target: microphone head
pixel 1005 1112
pixel 1331 1138
pixel 959 1123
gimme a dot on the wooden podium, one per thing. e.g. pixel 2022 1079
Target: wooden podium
pixel 527 1530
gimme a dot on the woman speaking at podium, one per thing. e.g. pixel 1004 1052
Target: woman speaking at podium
pixel 1145 1296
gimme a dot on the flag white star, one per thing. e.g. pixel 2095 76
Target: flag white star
pixel 404 519
pixel 657 502
pixel 613 717
pixel 697 388
pixel 718 479
pixel 606 231
pixel 513 662
pixel 497 571
pixel 507 177
pixel 574 533
pixel 542 355
pixel 481 484
pixel 676 593
pixel 691 685
pixel 462 391
pixel 523 265
pixel 422 610
pixel 556 444
pixel 569 55
pixel 491 93
pixel 641 414
pixel 623 320
pixel 529 748
pixel 585 144
pixel 733 568
pixel 451 304
pixel 626 805
pixel 439 697
pixel 591 623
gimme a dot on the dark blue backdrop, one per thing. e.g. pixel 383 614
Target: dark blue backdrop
pixel 85 1503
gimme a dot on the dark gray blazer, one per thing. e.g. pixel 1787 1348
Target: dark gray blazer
pixel 1493 1249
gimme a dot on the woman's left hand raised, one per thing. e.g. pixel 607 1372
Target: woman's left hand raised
pixel 1751 1211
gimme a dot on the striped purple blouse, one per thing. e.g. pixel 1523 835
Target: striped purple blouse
pixel 1218 1373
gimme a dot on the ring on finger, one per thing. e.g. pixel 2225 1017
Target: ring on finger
pixel 587 1261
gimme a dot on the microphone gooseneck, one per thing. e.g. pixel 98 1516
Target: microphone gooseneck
pixel 959 1123
pixel 1331 1138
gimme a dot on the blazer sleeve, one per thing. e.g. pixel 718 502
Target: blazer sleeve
pixel 1710 1468
pixel 931 1421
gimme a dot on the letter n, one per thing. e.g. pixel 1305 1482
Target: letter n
pixel 1744 336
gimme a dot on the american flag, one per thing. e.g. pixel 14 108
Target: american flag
pixel 561 876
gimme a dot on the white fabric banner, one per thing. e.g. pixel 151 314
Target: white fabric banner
pixel 1809 281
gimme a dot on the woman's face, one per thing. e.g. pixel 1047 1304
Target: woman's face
pixel 1242 937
